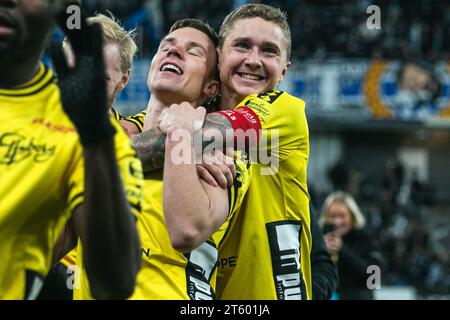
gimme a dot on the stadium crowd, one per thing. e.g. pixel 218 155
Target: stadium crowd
pixel 321 29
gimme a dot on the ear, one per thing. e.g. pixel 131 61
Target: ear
pixel 284 71
pixel 218 57
pixel 124 81
pixel 211 88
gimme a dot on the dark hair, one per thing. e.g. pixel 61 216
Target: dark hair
pixel 199 25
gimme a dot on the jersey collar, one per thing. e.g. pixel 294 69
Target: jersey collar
pixel 40 81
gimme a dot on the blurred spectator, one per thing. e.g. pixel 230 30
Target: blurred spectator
pixel 339 175
pixel 421 191
pixel 350 245
pixel 408 29
pixel 392 180
pixel 355 180
pixel 323 270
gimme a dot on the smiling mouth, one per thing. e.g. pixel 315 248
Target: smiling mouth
pixel 171 68
pixel 249 76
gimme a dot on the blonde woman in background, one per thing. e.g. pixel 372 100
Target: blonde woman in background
pixel 350 245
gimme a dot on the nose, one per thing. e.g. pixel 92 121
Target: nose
pixel 337 221
pixel 253 59
pixel 176 51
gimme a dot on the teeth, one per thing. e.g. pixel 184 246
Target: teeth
pixel 250 76
pixel 171 67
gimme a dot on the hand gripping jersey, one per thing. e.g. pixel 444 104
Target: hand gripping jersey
pixel 266 254
pixel 42 180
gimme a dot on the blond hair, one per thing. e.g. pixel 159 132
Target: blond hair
pixel 257 10
pixel 113 32
pixel 345 198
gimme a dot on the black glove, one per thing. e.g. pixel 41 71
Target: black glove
pixel 83 87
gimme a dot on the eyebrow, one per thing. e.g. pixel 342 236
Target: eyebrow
pixel 168 39
pixel 265 43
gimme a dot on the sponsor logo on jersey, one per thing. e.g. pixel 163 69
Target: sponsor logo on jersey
pixel 227 262
pixel 146 252
pixel 53 127
pixel 15 148
pixel 201 264
pixel 284 242
pixel 270 96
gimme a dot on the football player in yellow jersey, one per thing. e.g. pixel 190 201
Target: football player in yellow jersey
pixel 266 255
pixel 270 241
pixel 58 150
pixel 118 51
pixel 179 259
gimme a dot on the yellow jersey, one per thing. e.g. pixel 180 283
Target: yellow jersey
pixel 137 119
pixel 167 274
pixel 70 259
pixel 266 254
pixel 42 174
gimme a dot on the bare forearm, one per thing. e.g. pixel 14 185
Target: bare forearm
pixel 186 204
pixel 150 144
pixel 109 236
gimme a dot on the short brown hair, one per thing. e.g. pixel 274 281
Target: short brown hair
pixel 202 27
pixel 257 10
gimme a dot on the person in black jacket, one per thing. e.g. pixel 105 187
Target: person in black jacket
pixel 323 270
pixel 350 245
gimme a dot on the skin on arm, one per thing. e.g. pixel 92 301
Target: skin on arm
pixel 193 209
pixel 150 145
pixel 150 148
pixel 217 169
pixel 130 128
pixel 106 227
